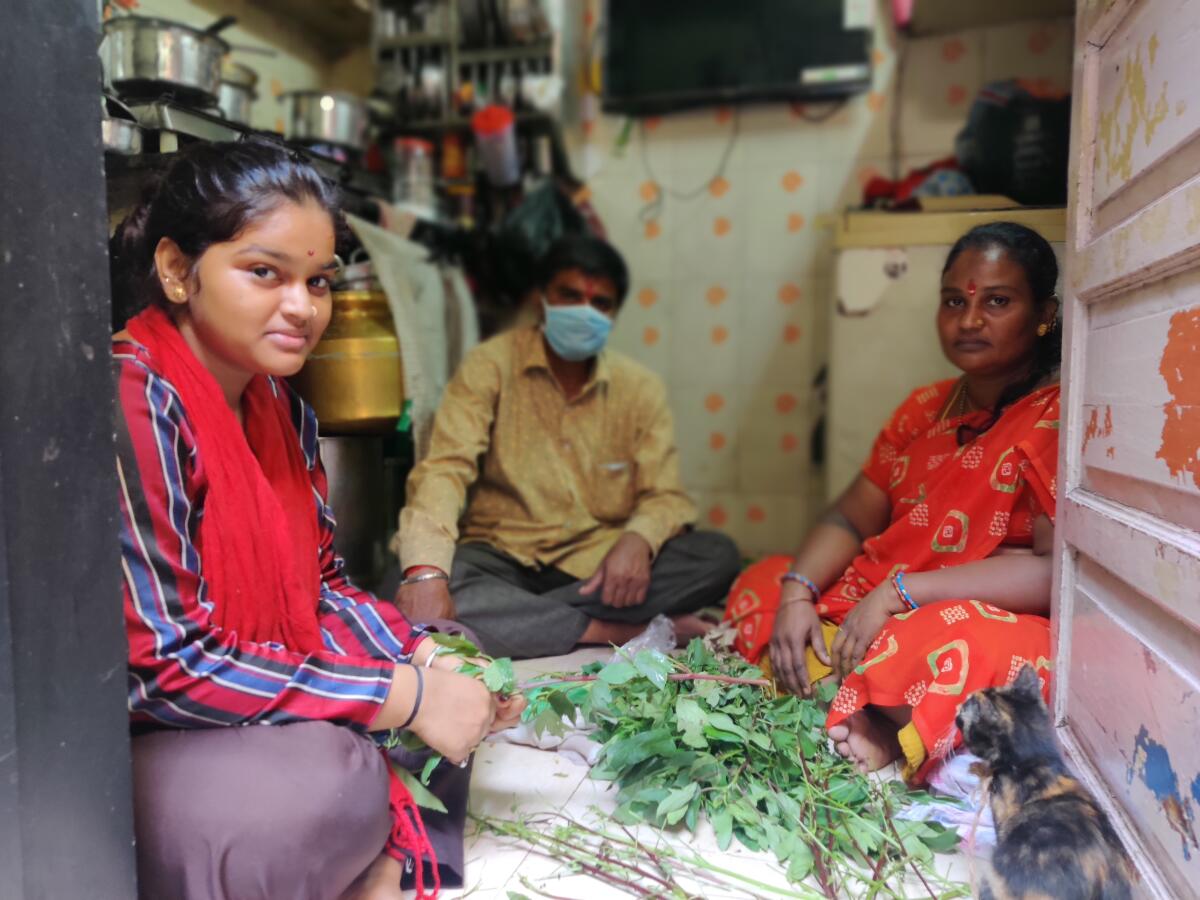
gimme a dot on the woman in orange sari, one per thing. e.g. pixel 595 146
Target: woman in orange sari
pixel 929 578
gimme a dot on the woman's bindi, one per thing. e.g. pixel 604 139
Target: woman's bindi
pixel 970 288
pixel 312 252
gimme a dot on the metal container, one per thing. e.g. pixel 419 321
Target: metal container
pixel 353 379
pixel 120 135
pixel 356 471
pixel 146 57
pixel 236 94
pixel 326 117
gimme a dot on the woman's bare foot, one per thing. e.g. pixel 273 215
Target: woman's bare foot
pixel 380 882
pixel 688 626
pixel 869 741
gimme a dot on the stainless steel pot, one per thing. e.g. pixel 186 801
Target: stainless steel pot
pixel 236 94
pixel 146 57
pixel 118 128
pixel 326 117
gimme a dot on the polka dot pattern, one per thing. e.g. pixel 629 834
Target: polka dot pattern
pixel 647 297
pixel 789 294
pixel 716 295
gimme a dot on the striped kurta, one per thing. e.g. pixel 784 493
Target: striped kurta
pixel 185 671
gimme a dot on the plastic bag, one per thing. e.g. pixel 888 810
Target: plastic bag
pixel 659 635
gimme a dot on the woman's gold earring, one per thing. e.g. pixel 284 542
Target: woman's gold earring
pixel 1043 330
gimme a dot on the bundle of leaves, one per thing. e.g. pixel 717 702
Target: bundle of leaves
pixel 703 735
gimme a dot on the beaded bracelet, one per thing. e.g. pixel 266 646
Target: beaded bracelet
pixel 416 703
pixel 902 591
pixel 803 580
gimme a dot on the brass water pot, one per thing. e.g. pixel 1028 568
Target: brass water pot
pixel 353 377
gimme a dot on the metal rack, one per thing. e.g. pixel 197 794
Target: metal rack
pixel 425 71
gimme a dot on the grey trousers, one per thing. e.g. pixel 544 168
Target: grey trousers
pixel 275 812
pixel 522 612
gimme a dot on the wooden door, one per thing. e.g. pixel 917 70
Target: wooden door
pixel 1127 593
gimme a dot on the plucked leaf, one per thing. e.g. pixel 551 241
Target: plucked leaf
pixel 654 665
pixel 618 672
pixel 499 677
pixel 430 764
pixel 421 795
pixel 456 643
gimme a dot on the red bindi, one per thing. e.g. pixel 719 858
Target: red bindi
pixel 314 253
pixel 970 288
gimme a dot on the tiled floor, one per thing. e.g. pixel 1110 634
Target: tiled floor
pixel 513 781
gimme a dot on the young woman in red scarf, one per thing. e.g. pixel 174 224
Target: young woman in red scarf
pixel 929 578
pixel 236 608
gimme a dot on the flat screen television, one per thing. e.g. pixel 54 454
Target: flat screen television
pixel 662 55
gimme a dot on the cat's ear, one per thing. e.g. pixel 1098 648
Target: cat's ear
pixel 1027 684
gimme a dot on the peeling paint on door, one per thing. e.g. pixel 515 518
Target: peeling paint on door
pixel 1152 766
pixel 1180 369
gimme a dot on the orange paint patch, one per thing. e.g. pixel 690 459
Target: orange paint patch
pixel 652 230
pixel 717 516
pixel 724 114
pixel 756 513
pixel 1111 452
pixel 1040 40
pixel 875 101
pixel 718 187
pixel 956 94
pixel 953 50
pixel 1095 429
pixel 785 403
pixel 716 440
pixel 877 57
pixel 795 222
pixel 792 181
pixel 651 122
pixel 1180 369
pixel 716 295
pixel 648 191
pixel 720 334
pixel 714 403
pixel 279 126
pixel 792 333
pixel 789 294
pixel 788 443
pixel 647 297
pixel 276 87
pixel 650 336
pixel 589 18
pixel 721 226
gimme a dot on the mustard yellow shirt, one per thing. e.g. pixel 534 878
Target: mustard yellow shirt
pixel 549 482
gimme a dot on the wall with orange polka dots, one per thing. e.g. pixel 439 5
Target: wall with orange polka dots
pixel 731 265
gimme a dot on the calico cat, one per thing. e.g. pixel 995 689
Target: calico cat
pixel 1053 841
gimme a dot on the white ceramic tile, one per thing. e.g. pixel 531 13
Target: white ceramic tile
pixel 644 324
pixel 942 75
pixel 705 433
pixel 705 332
pixel 777 340
pixel 620 201
pixel 708 228
pixel 1038 51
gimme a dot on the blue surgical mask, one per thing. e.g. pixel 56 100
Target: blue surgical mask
pixel 576 332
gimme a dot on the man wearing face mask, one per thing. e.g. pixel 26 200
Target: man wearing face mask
pixel 549 511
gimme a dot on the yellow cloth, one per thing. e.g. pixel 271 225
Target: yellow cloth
pixel 910 739
pixel 550 482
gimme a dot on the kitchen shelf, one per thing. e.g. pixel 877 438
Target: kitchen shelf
pixel 408 41
pixel 931 17
pixel 513 53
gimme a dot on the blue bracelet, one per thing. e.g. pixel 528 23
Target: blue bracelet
pixel 898 584
pixel 804 580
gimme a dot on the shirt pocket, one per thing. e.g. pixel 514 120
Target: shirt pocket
pixel 613 490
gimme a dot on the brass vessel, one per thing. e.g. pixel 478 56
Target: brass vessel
pixel 353 377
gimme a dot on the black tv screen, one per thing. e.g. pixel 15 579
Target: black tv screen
pixel 662 55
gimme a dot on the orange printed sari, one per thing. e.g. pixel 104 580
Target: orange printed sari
pixel 950 505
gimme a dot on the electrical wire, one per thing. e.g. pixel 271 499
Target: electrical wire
pixel 653 209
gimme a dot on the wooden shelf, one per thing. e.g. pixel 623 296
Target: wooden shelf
pixel 512 53
pixel 942 16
